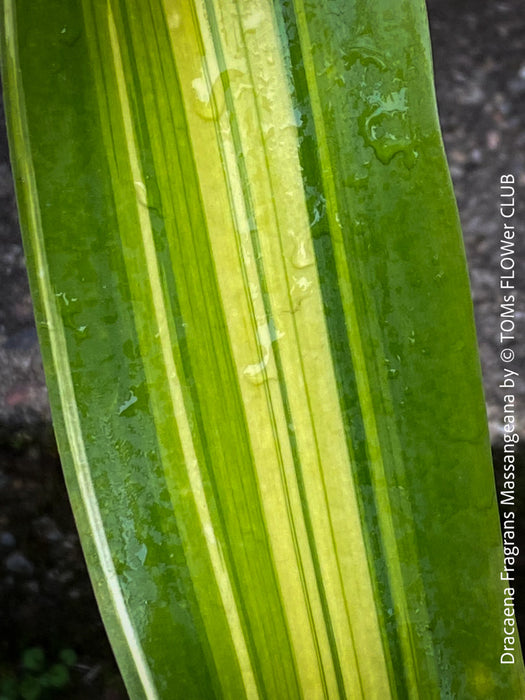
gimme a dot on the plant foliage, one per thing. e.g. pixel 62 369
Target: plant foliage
pixel 255 316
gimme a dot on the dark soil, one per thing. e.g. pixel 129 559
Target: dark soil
pixel 46 599
pixel 45 593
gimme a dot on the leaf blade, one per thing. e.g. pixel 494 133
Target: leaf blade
pixel 234 303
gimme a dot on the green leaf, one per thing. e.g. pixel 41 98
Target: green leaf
pixel 33 659
pixel 8 686
pixel 256 323
pixel 68 657
pixel 30 688
pixel 56 677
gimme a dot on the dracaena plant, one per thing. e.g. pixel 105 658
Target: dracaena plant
pixel 254 311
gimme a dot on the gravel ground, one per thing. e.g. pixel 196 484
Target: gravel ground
pixel 479 56
pixel 45 595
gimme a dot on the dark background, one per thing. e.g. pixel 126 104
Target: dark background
pixel 45 594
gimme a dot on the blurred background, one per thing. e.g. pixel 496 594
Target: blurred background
pixel 47 609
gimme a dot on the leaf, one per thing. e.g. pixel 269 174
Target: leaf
pixel 57 676
pixel 68 657
pixel 33 659
pixel 256 323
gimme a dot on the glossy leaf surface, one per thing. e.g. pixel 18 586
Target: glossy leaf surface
pixel 255 317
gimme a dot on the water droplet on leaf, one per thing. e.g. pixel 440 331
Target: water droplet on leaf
pixel 128 403
pixel 141 192
pixel 174 20
pixel 303 256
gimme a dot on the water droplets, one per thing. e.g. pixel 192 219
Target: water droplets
pixel 366 56
pixel 316 205
pixel 301 289
pixel 69 311
pixel 259 372
pixel 141 192
pixel 302 284
pixel 145 197
pixel 125 405
pixel 253 20
pixel 385 127
pixel 392 372
pixel 65 299
pixel 209 99
pixel 209 534
pixel 142 553
pixel 70 33
pixel 174 20
pixel 209 91
pixel 303 255
pixel 382 106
